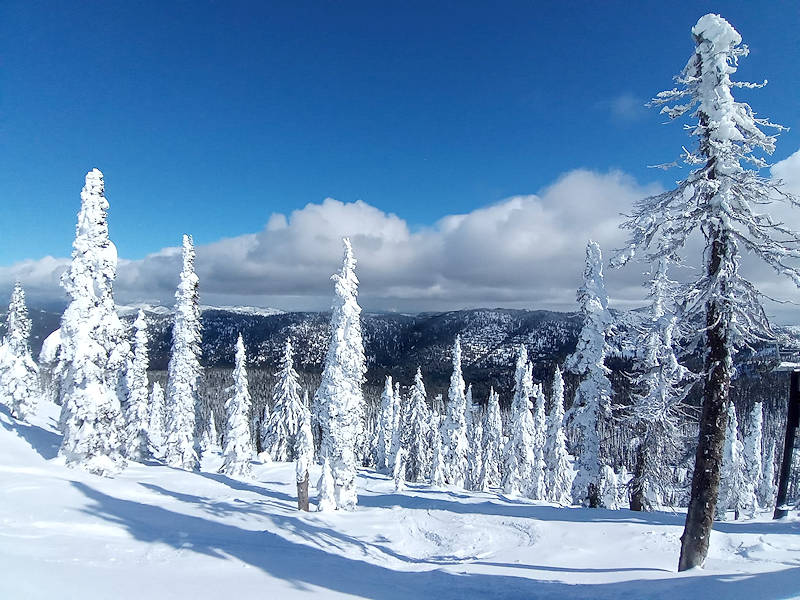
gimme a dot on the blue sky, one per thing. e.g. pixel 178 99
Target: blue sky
pixel 207 117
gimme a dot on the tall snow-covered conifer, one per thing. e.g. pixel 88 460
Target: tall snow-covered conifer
pixel 593 397
pixel 186 420
pixel 491 466
pixel 137 414
pixel 93 349
pixel 385 422
pixel 304 457
pixel 19 375
pixel 339 395
pixel 238 442
pixel 557 460
pixel 661 386
pixel 397 424
pixel 155 425
pixel 416 433
pixel 519 451
pixel 751 460
pixel 733 487
pixel 284 422
pixel 725 202
pixel 538 490
pixel 454 428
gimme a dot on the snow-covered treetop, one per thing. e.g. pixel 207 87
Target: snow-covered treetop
pixel 18 324
pixel 592 295
pixel 456 390
pixel 720 197
pixel 94 263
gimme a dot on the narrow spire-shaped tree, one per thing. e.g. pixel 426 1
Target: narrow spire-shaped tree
pixel 454 429
pixel 492 444
pixel 752 466
pixel 475 438
pixel 593 397
pixel 287 408
pixel 137 415
pixel 238 442
pixel 519 464
pixel 93 348
pixel 558 461
pixel 304 457
pixel 19 375
pixel 437 456
pixel 661 386
pixel 397 424
pixel 767 490
pixel 538 489
pixel 385 423
pixel 400 470
pixel 732 489
pixel 725 202
pixel 155 425
pixel 186 420
pixel 339 395
pixel 416 433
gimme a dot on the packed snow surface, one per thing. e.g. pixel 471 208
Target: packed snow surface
pixel 156 532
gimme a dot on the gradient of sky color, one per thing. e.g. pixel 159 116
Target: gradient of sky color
pixel 207 117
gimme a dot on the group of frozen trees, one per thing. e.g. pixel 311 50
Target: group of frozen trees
pixel 466 446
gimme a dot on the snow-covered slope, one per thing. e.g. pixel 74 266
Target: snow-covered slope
pixel 155 532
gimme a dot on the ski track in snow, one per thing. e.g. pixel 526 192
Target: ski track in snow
pixel 156 532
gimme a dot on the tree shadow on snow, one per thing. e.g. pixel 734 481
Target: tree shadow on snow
pixel 46 443
pixel 302 565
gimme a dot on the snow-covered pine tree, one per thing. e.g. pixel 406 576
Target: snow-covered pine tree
pixel 519 454
pixel 155 424
pixel 492 444
pixel 304 457
pixel 752 467
pixel 768 490
pixel 732 495
pixel 437 455
pixel 415 439
pixel 326 494
pixel 400 470
pixel 558 461
pixel 661 386
pixel 284 422
pixel 726 203
pixel 538 489
pixel 238 442
pixel 397 424
pixel 186 418
pixel 475 437
pixel 266 413
pixel 592 401
pixel 454 428
pixel 19 375
pixel 93 349
pixel 385 423
pixel 339 395
pixel 137 413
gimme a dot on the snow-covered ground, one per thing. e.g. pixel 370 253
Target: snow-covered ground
pixel 155 532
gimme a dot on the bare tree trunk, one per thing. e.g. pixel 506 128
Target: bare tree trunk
pixel 302 494
pixel 714 419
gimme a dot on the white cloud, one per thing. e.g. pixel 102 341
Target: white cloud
pixel 525 251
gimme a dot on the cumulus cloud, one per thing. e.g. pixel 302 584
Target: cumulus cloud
pixel 524 252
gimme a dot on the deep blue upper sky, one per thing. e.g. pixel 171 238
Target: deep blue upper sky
pixel 206 117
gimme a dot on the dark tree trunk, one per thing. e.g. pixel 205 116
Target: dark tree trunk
pixel 708 460
pixel 302 494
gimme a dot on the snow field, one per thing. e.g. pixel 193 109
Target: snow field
pixel 157 532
